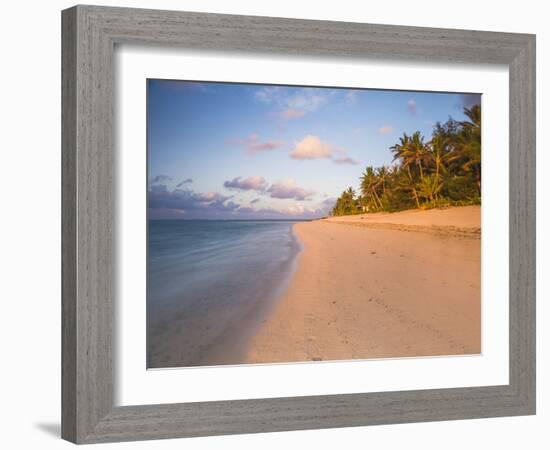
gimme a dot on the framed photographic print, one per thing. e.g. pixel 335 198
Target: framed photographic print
pixel 223 245
pixel 278 224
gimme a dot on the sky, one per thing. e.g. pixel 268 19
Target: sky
pixel 252 151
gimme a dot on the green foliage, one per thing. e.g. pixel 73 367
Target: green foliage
pixel 430 186
pixel 445 171
pixel 397 200
pixel 461 187
pixel 346 204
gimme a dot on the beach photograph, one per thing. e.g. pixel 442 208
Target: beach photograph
pixel 294 224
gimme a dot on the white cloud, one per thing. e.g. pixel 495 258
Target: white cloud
pixel 307 100
pixel 292 103
pixel 295 209
pixel 267 94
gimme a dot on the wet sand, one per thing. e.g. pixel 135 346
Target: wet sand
pixel 384 285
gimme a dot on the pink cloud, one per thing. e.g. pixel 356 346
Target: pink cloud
pixel 386 129
pixel 345 160
pixel 311 147
pixel 411 104
pixel 289 189
pixel 291 113
pixel 267 145
pixel 252 143
pixel 254 183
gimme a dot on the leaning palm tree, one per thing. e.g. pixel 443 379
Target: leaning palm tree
pixel 399 150
pixel 369 185
pixel 402 153
pixel 439 153
pixel 474 124
pixel 418 152
pixel 382 175
pixel 447 167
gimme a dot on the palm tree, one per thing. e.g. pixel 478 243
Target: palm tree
pixel 469 141
pixel 430 186
pixel 444 170
pixel 348 200
pixel 474 124
pixel 369 185
pixel 418 151
pixel 439 153
pixel 382 175
pixel 401 152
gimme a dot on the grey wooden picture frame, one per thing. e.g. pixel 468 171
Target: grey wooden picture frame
pixel 90 34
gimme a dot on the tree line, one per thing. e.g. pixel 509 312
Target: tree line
pixel 444 171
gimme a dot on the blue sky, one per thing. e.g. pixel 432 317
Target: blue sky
pixel 242 151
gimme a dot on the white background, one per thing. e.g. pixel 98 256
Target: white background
pixel 30 226
pixel 135 386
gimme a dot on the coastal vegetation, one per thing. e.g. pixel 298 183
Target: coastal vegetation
pixel 442 171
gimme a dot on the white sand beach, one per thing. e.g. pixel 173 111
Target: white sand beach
pixel 380 285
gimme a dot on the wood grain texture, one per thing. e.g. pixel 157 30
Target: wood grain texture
pixel 523 224
pixel 89 36
pixel 68 226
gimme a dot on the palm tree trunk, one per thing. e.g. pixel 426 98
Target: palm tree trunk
pixel 416 198
pixel 437 163
pixel 415 195
pixel 420 168
pixel 377 198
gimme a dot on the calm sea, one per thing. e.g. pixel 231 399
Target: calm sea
pixel 211 285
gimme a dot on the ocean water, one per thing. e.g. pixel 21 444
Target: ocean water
pixel 211 285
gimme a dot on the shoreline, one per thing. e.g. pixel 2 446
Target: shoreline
pixel 391 285
pixel 214 326
pixel 238 339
